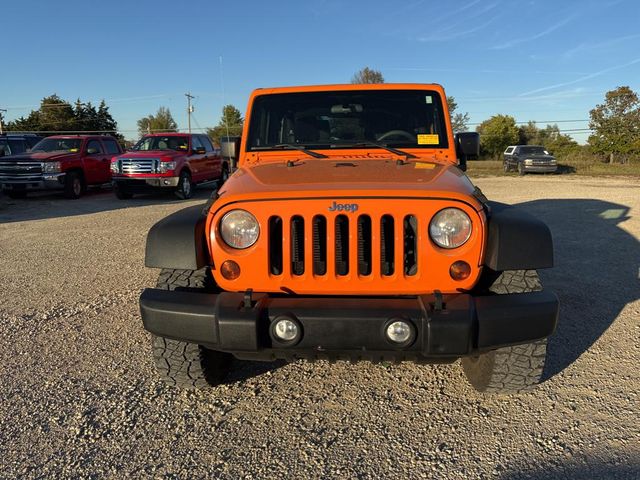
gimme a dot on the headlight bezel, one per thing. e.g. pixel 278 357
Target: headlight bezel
pixel 164 167
pixel 226 237
pixel 466 219
pixel 51 167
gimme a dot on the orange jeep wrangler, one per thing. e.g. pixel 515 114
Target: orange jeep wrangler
pixel 350 231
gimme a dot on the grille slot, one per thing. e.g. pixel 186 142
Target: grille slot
pixel 410 245
pixel 138 165
pixel 364 245
pixel 387 265
pixel 297 245
pixel 319 234
pixel 275 245
pixel 342 245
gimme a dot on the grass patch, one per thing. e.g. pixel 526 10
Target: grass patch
pixel 577 165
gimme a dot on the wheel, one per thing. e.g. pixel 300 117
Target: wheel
pixel 510 369
pixel 121 192
pixel 15 194
pixel 521 171
pixel 73 185
pixel 397 133
pixel 224 176
pixel 185 364
pixel 185 186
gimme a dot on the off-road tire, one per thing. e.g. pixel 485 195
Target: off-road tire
pixel 185 186
pixel 73 185
pixel 121 192
pixel 510 369
pixel 184 364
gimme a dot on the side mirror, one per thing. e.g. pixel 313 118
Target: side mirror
pixel 467 145
pixel 200 151
pixel 230 148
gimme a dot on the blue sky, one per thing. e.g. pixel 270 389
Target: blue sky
pixel 536 60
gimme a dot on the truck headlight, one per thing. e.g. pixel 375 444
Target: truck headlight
pixel 164 167
pixel 528 161
pixel 450 228
pixel 239 229
pixel 51 167
pixel 115 168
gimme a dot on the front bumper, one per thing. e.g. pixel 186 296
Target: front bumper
pixel 350 327
pixel 145 184
pixel 49 181
pixel 540 168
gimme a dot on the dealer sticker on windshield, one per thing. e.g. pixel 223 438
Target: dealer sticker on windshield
pixel 428 139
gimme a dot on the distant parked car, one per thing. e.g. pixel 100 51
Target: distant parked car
pixel 528 159
pixel 172 161
pixel 64 162
pixel 15 143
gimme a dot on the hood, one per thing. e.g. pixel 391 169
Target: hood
pixel 348 178
pixel 153 154
pixel 40 156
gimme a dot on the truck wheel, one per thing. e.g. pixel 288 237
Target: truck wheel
pixel 185 364
pixel 510 369
pixel 73 185
pixel 521 171
pixel 121 192
pixel 185 186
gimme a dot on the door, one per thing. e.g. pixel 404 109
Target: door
pixel 197 160
pixel 96 163
pixel 213 161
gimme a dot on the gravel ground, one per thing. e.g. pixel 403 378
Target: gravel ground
pixel 78 395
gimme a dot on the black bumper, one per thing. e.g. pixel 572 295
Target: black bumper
pixel 145 185
pixel 350 328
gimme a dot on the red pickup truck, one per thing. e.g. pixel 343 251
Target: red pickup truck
pixel 63 162
pixel 175 161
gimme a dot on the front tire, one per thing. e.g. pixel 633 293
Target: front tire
pixel 121 192
pixel 73 185
pixel 512 369
pixel 184 364
pixel 185 186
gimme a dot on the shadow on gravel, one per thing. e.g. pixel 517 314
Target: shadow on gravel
pixel 41 205
pixel 244 370
pixel 569 471
pixel 595 274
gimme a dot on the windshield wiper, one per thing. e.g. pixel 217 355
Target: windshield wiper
pixel 292 146
pixel 371 143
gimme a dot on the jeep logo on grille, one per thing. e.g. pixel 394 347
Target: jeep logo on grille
pixel 343 207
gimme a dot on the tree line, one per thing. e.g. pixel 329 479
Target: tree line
pixel 615 124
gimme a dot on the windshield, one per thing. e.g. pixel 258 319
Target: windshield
pixel 402 118
pixel 533 151
pixel 168 142
pixel 58 145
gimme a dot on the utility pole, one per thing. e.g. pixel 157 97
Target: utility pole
pixel 189 108
pixel 2 110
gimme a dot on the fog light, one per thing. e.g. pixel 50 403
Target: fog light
pixel 286 330
pixel 399 332
pixel 230 270
pixel 460 270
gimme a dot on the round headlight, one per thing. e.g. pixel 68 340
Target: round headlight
pixel 450 228
pixel 239 229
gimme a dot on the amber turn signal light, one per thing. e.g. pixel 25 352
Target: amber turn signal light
pixel 460 270
pixel 230 270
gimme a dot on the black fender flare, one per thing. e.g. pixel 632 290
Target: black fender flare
pixel 516 240
pixel 179 241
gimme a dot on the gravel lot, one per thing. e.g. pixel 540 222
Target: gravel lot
pixel 78 395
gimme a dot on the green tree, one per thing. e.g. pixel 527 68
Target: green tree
pixel 497 133
pixel 162 121
pixel 616 125
pixel 230 123
pixel 459 121
pixel 367 75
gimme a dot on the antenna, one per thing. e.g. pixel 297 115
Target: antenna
pixel 189 108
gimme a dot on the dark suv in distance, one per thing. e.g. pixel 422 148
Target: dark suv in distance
pixel 528 159
pixel 16 143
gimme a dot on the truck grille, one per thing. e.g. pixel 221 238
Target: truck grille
pixel 349 236
pixel 138 165
pixel 17 171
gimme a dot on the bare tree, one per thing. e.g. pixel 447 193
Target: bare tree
pixel 368 75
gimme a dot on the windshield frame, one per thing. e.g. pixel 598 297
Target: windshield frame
pixel 436 114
